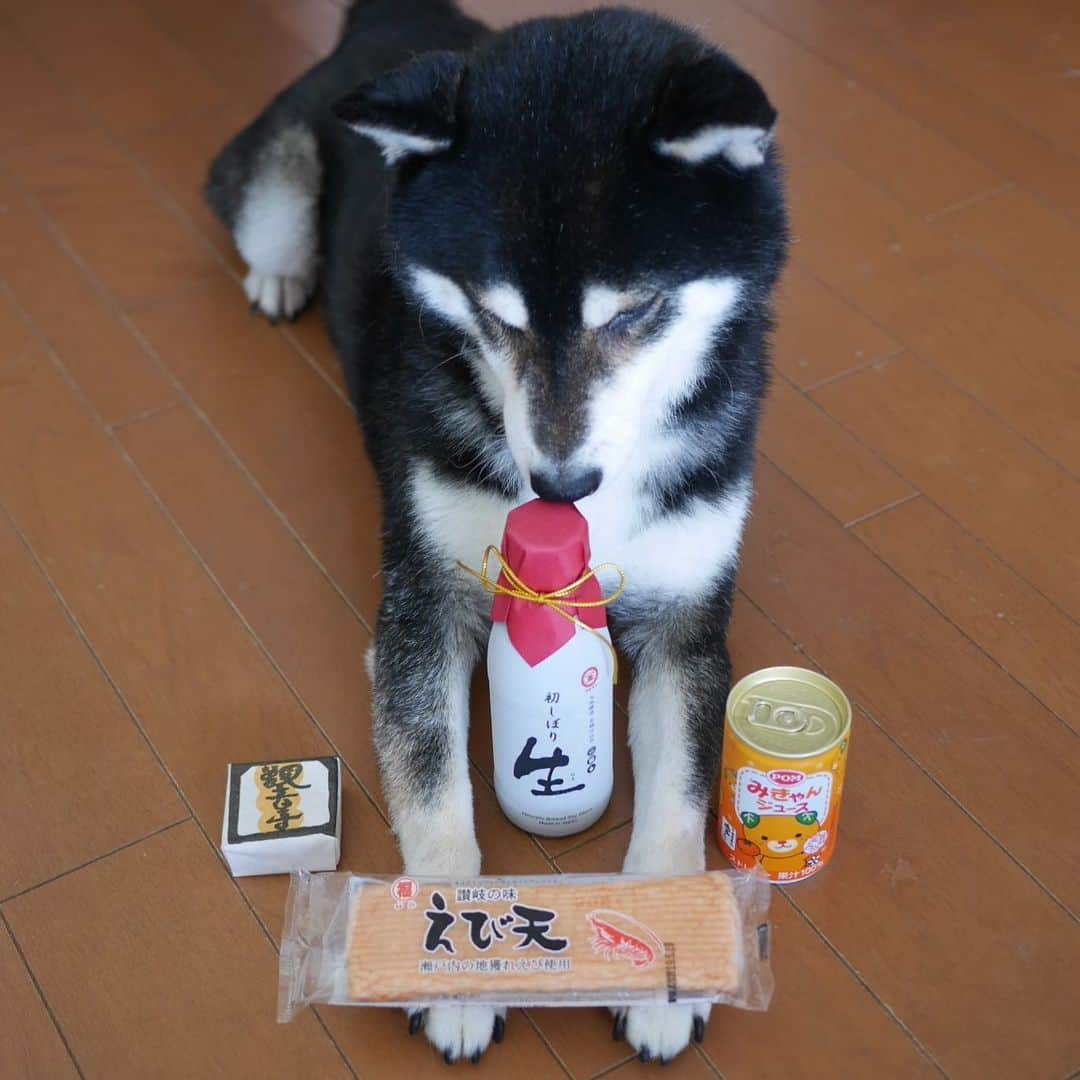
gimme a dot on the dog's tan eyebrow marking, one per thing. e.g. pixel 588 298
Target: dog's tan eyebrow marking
pixel 506 303
pixel 601 304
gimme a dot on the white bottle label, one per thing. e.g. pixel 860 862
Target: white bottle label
pixel 551 726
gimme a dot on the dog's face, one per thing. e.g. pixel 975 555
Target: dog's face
pixel 589 200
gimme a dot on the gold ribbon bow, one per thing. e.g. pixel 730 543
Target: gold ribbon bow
pixel 518 590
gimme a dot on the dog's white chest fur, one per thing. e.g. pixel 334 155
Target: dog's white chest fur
pixel 678 555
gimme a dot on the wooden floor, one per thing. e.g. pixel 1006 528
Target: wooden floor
pixel 189 551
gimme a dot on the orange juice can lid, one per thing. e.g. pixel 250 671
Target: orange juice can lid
pixel 788 712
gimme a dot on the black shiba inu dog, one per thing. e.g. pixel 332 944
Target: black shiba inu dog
pixel 546 257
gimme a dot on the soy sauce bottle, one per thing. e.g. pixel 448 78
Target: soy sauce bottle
pixel 551 677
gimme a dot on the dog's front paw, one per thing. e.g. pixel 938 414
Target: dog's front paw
pixel 660 1032
pixel 460 1031
pixel 277 296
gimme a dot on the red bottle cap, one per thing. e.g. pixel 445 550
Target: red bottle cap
pixel 547 546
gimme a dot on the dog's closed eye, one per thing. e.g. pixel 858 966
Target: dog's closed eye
pixel 619 314
pixel 636 318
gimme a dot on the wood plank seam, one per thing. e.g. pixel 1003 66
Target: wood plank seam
pixel 963 204
pixel 883 359
pixel 535 840
pixel 1070 315
pixel 900 335
pixel 900 472
pixel 855 974
pixel 1075 916
pixel 138 418
pixel 860 707
pixel 627 1062
pixel 927 600
pixel 41 994
pixel 1064 720
pixel 611 1068
pixel 709 1063
pixel 95 859
pixel 546 1043
pixel 881 510
pixel 907 348
pixel 585 843
pixel 960 389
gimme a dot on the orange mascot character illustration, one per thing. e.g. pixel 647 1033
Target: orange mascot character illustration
pixel 779 838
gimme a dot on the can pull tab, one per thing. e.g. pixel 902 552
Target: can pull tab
pixel 787 717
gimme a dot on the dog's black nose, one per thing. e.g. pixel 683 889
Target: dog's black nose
pixel 565 485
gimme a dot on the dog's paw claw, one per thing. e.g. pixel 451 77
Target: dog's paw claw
pixel 618 1029
pixel 416 1021
pixel 660 1032
pixel 279 297
pixel 463 1031
pixel 498 1032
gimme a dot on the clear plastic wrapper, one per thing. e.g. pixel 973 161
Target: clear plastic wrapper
pixel 567 939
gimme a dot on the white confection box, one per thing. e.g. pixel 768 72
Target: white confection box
pixel 282 816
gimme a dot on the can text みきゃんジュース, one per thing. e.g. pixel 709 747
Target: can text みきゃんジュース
pixel 786 741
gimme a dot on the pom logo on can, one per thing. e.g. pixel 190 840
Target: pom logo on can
pixel 786 776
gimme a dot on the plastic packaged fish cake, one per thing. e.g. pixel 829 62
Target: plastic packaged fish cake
pixel 571 939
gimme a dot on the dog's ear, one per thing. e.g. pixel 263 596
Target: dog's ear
pixel 708 108
pixel 411 110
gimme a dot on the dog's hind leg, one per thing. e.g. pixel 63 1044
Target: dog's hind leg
pixel 681 675
pixel 268 195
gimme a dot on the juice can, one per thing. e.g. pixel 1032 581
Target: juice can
pixel 786 739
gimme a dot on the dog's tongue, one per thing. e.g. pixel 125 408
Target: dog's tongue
pixel 547 546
